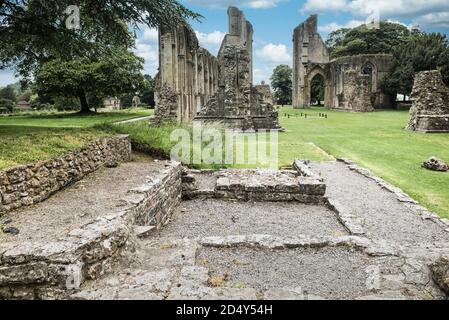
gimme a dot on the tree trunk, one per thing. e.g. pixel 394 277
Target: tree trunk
pixel 83 101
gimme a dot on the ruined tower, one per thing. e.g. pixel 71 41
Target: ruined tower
pixel 237 103
pixel 309 53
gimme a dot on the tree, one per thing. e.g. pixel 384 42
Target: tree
pixel 6 106
pixel 364 40
pixel 281 81
pixel 25 95
pixel 33 32
pixel 420 52
pixel 91 80
pixel 8 93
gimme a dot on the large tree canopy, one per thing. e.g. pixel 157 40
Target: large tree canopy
pixel 281 82
pixel 33 32
pixel 91 80
pixel 364 40
pixel 420 52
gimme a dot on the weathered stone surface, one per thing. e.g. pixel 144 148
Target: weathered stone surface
pixel 193 84
pixel 435 164
pixel 268 185
pixel 181 60
pixel 351 83
pixel 87 252
pixel 26 185
pixel 143 231
pixel 440 273
pixel 430 109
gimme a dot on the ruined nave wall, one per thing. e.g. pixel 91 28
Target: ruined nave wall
pixel 187 78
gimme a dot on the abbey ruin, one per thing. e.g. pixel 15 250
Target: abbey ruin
pixel 192 84
pixel 351 83
pixel 430 109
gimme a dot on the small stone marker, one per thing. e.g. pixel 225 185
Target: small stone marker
pixel 435 164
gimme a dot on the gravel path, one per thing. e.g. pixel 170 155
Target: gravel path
pixel 333 273
pixel 202 218
pixel 383 216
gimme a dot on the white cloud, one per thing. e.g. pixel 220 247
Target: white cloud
pixel 323 5
pixel 150 52
pixel 425 12
pixel 267 58
pixel 211 41
pixel 213 38
pixel 327 28
pixel 150 35
pixel 437 19
pixel 254 4
pixel 274 53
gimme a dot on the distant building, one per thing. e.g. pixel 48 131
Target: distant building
pixel 23 106
pixel 112 103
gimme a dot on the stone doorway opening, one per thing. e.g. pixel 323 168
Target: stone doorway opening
pixel 317 90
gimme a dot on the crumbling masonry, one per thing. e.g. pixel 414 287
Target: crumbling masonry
pixel 430 109
pixel 194 85
pixel 351 83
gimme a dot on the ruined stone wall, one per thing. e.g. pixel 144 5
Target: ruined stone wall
pixel 56 269
pixel 353 82
pixel 237 104
pixel 187 78
pixel 430 109
pixel 309 51
pixel 29 184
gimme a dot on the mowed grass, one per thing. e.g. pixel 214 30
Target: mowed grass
pixel 376 140
pixel 23 145
pixel 379 142
pixel 72 119
pixel 28 138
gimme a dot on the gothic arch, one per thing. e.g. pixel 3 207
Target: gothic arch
pixel 369 68
pixel 316 71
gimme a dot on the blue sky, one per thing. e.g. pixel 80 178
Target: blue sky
pixel 274 21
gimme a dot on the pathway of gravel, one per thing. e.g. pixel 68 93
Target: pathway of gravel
pixel 383 216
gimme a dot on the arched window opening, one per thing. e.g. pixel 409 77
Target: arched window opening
pixel 317 89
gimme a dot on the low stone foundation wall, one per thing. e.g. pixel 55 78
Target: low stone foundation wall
pixel 29 184
pixel 37 270
pixel 254 185
pixel 432 123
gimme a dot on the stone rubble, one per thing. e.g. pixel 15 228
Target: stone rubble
pixel 435 164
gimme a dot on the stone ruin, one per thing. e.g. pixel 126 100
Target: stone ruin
pixel 192 84
pixel 430 108
pixel 187 78
pixel 351 83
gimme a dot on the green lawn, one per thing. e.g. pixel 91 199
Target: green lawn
pixel 23 145
pixel 28 138
pixel 373 140
pixel 379 142
pixel 72 120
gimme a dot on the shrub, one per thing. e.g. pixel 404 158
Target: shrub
pixel 6 106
